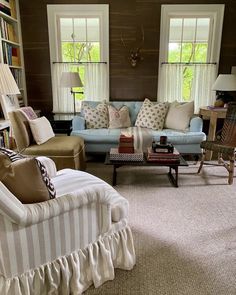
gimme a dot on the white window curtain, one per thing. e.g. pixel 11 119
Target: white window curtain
pixel 204 77
pixel 171 84
pixel 62 98
pixel 96 82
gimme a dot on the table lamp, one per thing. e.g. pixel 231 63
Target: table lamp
pixel 8 87
pixel 8 84
pixel 223 84
pixel 70 80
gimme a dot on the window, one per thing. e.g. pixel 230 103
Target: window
pixel 78 34
pixel 189 44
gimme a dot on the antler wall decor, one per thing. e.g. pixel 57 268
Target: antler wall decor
pixel 135 55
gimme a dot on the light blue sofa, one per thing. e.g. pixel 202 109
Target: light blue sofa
pixel 101 140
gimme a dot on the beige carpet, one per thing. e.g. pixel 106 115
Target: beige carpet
pixel 185 238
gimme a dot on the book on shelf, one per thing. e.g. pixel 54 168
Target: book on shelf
pixel 17 74
pixel 13 8
pixel 15 56
pixel 11 54
pixel 7 30
pixel 5 9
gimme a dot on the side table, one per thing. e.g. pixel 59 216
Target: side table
pixel 212 115
pixel 61 124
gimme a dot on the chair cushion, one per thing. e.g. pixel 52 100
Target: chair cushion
pixel 179 115
pixel 152 115
pixel 15 172
pixel 218 147
pixel 118 118
pixel 41 130
pixel 57 146
pixel 95 117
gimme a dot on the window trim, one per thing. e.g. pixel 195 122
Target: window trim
pixel 100 10
pixel 214 11
pixel 70 10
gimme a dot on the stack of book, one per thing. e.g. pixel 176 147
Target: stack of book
pixel 126 144
pixel 126 157
pixel 163 157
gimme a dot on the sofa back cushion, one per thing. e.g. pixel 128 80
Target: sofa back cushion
pixel 179 115
pixel 95 115
pixel 134 107
pixel 118 118
pixel 152 115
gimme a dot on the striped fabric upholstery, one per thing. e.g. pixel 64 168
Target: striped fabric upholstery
pixel 65 244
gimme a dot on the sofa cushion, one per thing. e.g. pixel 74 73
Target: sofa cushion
pixel 95 117
pixel 152 115
pixel 15 172
pixel 179 115
pixel 118 118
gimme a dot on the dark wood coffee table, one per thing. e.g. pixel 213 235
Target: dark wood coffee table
pixel 172 166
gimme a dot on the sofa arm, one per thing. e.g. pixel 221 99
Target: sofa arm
pixel 196 124
pixel 78 123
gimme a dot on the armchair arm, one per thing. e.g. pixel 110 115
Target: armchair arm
pixel 78 123
pixel 104 199
pixel 196 124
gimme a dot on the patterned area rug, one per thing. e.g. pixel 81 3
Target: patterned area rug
pixel 185 238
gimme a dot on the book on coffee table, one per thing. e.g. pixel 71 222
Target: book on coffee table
pixel 116 156
pixel 163 157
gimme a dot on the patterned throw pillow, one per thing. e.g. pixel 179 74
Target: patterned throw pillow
pixel 26 178
pixel 152 115
pixel 119 118
pixel 95 118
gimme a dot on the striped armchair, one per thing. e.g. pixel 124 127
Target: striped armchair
pixel 64 245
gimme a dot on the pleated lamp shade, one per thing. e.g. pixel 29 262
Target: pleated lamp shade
pixel 225 82
pixel 71 79
pixel 8 84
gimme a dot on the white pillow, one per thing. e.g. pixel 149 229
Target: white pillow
pixel 41 130
pixel 179 115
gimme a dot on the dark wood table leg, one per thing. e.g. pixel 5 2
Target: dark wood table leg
pixel 173 179
pixel 114 175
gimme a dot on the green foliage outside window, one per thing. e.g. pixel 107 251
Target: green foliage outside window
pixel 80 52
pixel 190 52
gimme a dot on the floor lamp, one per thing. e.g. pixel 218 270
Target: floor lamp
pixel 70 80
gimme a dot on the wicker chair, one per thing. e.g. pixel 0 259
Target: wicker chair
pixel 225 147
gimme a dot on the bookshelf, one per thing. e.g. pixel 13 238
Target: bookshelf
pixel 5 139
pixel 11 48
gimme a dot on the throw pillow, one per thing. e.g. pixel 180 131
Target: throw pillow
pixel 119 118
pixel 26 178
pixel 95 118
pixel 152 115
pixel 179 115
pixel 41 130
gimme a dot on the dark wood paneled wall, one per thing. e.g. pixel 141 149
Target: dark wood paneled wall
pixel 127 16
